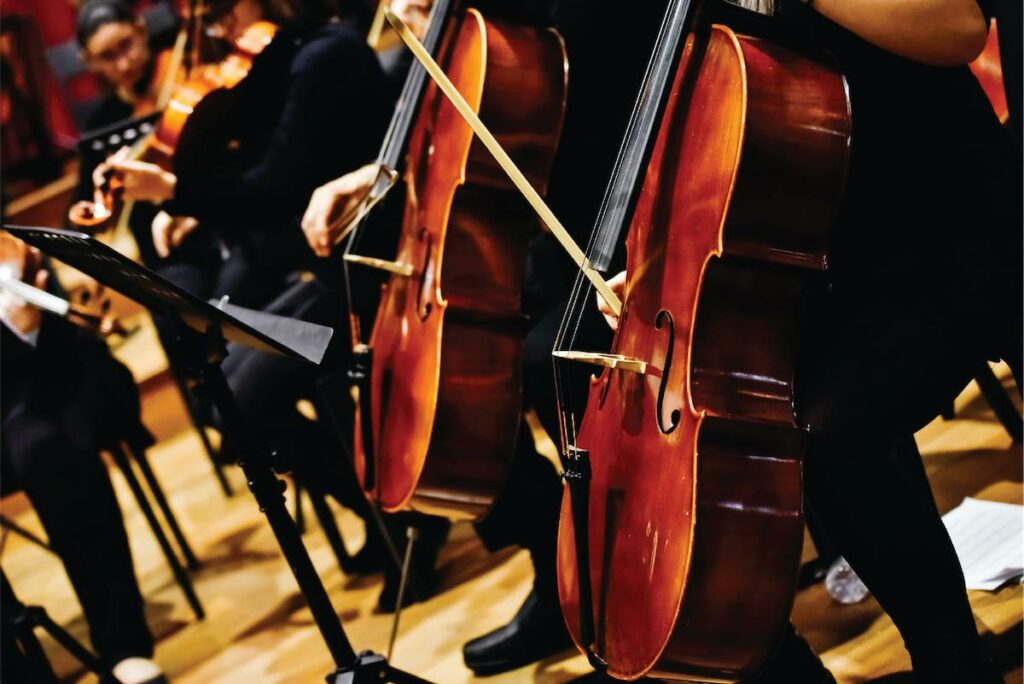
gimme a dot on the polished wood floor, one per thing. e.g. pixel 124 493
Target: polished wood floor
pixel 257 629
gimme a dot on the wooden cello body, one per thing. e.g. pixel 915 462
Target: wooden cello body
pixel 695 501
pixel 447 341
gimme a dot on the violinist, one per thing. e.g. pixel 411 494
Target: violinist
pixel 315 106
pixel 115 46
pixel 61 389
pixel 310 108
pixel 526 513
pixel 924 278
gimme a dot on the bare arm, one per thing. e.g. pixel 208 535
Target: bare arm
pixel 935 32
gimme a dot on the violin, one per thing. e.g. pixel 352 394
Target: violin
pixel 177 140
pixel 167 75
pixel 19 265
pixel 440 406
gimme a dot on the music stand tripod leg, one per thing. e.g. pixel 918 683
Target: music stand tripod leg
pixel 207 351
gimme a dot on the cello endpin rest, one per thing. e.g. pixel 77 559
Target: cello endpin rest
pixel 606 360
pixel 396 267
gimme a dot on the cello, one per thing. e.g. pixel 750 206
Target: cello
pixel 684 504
pixel 437 431
pixel 681 531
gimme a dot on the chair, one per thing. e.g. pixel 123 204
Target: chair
pixel 999 399
pixel 126 439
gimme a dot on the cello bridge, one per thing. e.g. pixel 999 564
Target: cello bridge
pixel 614 361
pixel 396 267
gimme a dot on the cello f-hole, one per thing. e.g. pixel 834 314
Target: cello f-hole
pixel 423 305
pixel 662 321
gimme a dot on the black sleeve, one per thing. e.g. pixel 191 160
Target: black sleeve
pixel 333 88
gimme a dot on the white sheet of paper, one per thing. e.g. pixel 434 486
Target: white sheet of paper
pixel 989 541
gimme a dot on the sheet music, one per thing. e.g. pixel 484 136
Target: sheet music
pixel 989 541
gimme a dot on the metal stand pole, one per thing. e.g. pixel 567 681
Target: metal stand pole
pixel 206 351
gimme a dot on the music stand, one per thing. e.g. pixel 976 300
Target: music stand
pixel 98 144
pixel 203 332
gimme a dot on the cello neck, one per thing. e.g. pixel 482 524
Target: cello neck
pixel 412 91
pixel 634 151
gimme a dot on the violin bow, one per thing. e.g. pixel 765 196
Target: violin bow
pixel 377 26
pixel 103 322
pixel 547 216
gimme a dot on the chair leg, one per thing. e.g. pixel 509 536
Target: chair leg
pixel 1000 402
pixel 9 525
pixel 197 423
pixel 161 501
pixel 300 515
pixel 120 454
pixel 329 525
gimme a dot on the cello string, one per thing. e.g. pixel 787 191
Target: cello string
pixel 396 137
pixel 622 187
pixel 398 131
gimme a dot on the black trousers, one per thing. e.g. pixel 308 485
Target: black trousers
pixel 527 511
pixel 896 349
pixel 71 492
pixel 267 386
pixel 207 274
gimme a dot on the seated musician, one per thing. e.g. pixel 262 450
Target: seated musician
pixel 602 80
pixel 315 108
pixel 61 389
pixel 925 287
pixel 115 46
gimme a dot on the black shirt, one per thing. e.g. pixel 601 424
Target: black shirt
pixel 301 126
pixel 930 189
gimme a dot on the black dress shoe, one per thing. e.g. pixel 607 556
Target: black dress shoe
pixel 535 632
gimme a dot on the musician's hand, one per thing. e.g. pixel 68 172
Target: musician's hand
pixel 170 231
pixel 20 314
pixel 415 14
pixel 144 181
pixel 99 174
pixel 331 202
pixel 618 286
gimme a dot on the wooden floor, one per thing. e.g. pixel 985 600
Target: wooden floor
pixel 257 629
